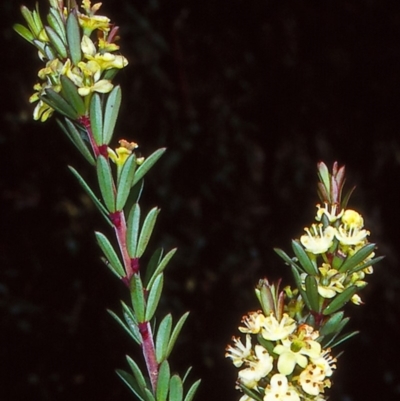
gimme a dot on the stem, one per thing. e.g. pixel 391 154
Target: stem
pixel 149 353
pixel 85 121
pixel 119 222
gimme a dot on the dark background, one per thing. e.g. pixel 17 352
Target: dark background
pixel 248 96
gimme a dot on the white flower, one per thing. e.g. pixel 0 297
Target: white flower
pixel 330 214
pixel 253 322
pixel 317 240
pixel 280 390
pixel 239 352
pixel 273 330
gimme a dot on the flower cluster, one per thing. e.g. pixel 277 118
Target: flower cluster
pixel 281 360
pixel 79 45
pixel 287 351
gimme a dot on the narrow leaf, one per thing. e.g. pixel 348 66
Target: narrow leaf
pixel 133 230
pixel 154 297
pixel 146 231
pixel 192 391
pixel 55 21
pixel 368 263
pixel 125 326
pixel 106 182
pixel 312 293
pixel 137 373
pixel 129 380
pixel 164 376
pixel 175 389
pixel 343 338
pixel 299 285
pixel 340 300
pixel 74 38
pixel 175 333
pixel 152 266
pixel 57 42
pixel 91 194
pixel 125 181
pixel 58 103
pixel 149 395
pixel 74 136
pixel 288 260
pixel 111 113
pixel 304 259
pixel 357 258
pixel 163 337
pixel 161 266
pixel 110 254
pixel 138 301
pixel 24 32
pixel 96 118
pixel 148 164
pixel 70 92
pixel 330 326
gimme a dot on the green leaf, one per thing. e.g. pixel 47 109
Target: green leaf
pixel 175 333
pixel 130 381
pixel 312 293
pixel 58 103
pixel 331 325
pixel 70 92
pixel 252 394
pixel 141 382
pixel 368 263
pixel 55 21
pixel 343 338
pixel 110 254
pixel 131 320
pixel 111 113
pixel 146 231
pixel 148 164
pixel 137 295
pixel 31 21
pixel 268 345
pixel 352 261
pixel 57 42
pixel 287 259
pixel 24 32
pixel 186 375
pixel 152 265
pixel 164 376
pixel 149 395
pixel 133 333
pixel 96 118
pixel 340 300
pixel 330 338
pixel 74 38
pixel 304 259
pixel 299 285
pixel 132 232
pixel 162 265
pixel 91 194
pixel 125 180
pixel 106 182
pixel 74 136
pixel 192 391
pixel 175 389
pixel 163 337
pixel 154 297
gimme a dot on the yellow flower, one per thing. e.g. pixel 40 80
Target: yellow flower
pixel 122 153
pixel 352 219
pixel 330 282
pixel 318 240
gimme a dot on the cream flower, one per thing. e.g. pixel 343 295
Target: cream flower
pixel 330 281
pixel 253 322
pixel 239 352
pixel 330 211
pixel 259 368
pixel 317 240
pixel 273 330
pixel 295 352
pixel 280 390
pixel 312 379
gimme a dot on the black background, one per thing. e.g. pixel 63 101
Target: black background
pixel 247 96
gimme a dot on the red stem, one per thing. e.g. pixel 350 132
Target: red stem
pixel 149 353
